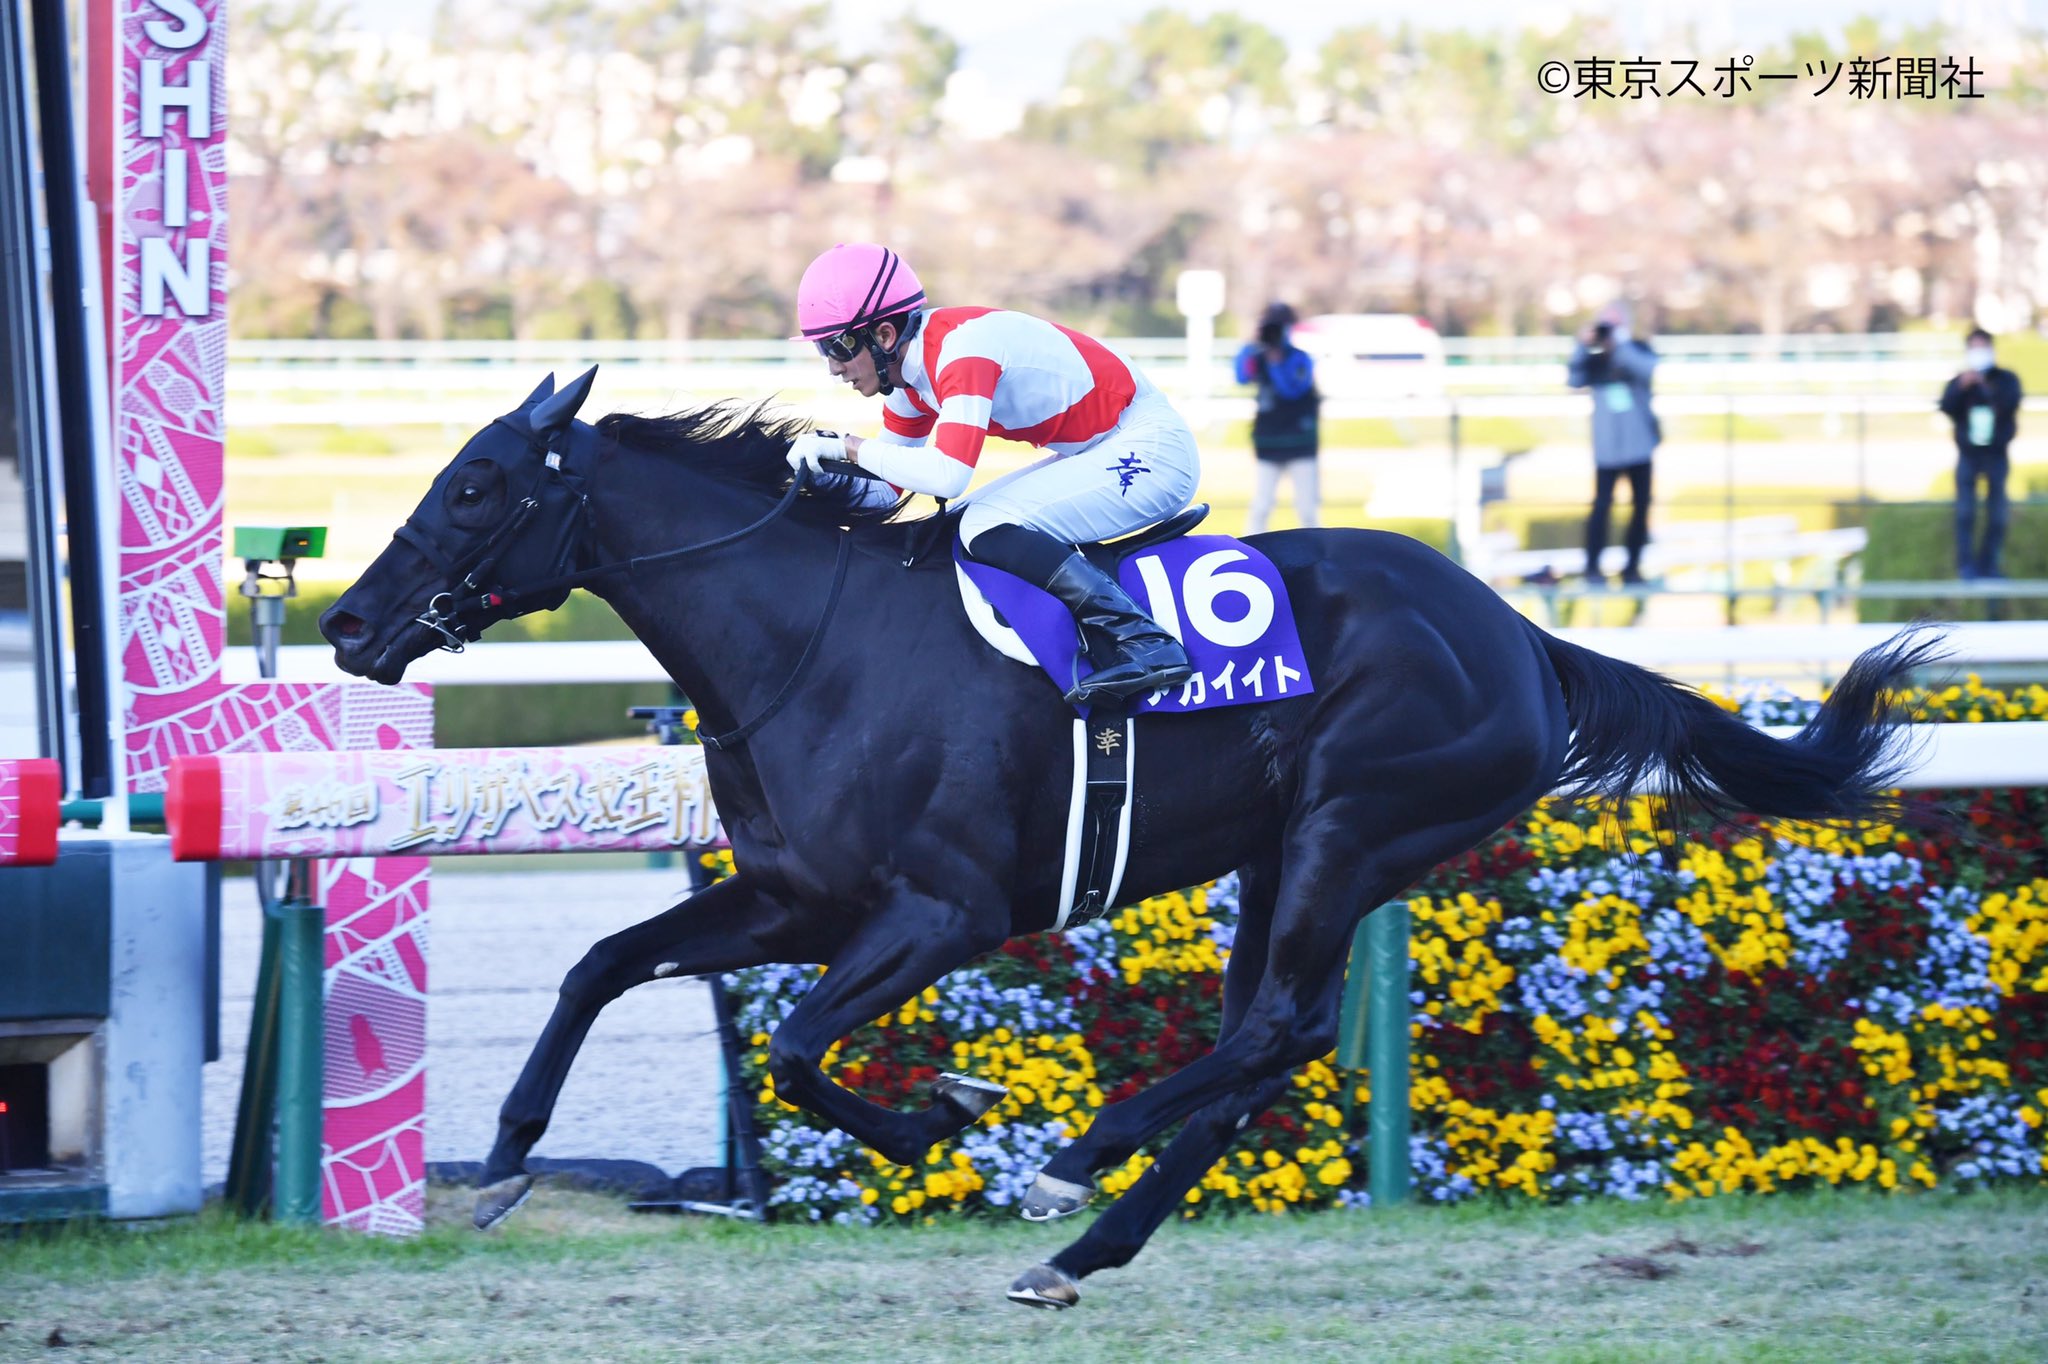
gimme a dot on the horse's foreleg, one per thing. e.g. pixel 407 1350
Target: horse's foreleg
pixel 720 928
pixel 906 944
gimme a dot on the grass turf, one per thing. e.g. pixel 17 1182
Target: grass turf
pixel 1832 1276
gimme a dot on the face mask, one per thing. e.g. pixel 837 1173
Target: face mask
pixel 1978 357
pixel 1621 333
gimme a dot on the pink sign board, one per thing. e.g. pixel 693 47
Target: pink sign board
pixel 373 1132
pixel 169 362
pixel 439 801
pixel 157 168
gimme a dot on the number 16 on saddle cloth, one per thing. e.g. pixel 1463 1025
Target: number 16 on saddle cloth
pixel 1221 597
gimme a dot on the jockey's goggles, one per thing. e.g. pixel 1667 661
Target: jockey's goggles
pixel 844 346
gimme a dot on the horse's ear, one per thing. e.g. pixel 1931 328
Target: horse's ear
pixel 545 390
pixel 555 413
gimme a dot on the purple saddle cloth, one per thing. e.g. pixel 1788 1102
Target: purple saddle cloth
pixel 1222 598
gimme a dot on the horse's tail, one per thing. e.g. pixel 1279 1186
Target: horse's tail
pixel 1636 731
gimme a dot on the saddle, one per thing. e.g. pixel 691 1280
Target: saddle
pixel 1107 554
pixel 931 533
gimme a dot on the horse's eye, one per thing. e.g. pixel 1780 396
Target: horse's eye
pixel 470 495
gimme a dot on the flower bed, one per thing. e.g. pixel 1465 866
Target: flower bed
pixel 1785 1006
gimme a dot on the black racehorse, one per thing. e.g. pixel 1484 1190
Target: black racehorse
pixel 896 793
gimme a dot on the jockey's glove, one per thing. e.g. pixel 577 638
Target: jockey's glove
pixel 813 447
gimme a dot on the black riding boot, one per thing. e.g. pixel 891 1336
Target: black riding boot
pixel 1131 653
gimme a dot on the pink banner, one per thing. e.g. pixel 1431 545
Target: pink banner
pixel 169 280
pixel 289 717
pixel 439 801
pixel 158 167
pixel 373 1136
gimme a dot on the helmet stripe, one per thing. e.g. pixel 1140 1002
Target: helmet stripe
pixel 884 272
pixel 870 308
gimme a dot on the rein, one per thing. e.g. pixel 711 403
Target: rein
pixel 444 614
pixel 733 738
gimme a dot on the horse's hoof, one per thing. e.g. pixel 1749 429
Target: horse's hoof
pixel 1049 1199
pixel 971 1096
pixel 495 1202
pixel 1045 1286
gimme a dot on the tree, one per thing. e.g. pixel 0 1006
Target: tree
pixel 1167 83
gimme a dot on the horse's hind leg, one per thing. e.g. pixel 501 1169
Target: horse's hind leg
pixel 1342 855
pixel 906 944
pixel 721 928
pixel 1125 1225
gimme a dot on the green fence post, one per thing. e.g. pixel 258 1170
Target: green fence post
pixel 665 723
pixel 302 1042
pixel 1387 1171
pixel 1351 1029
pixel 248 1187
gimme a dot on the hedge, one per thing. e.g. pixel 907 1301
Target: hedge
pixel 1916 541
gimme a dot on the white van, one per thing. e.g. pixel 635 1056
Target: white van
pixel 1373 355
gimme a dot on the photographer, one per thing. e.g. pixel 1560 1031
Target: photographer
pixel 1285 428
pixel 1984 403
pixel 1616 367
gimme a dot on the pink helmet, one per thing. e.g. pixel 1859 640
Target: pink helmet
pixel 852 285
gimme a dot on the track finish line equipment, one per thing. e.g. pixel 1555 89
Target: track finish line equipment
pixel 476 801
pixel 31 796
pixel 310 809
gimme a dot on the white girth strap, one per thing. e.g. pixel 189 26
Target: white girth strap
pixel 1070 871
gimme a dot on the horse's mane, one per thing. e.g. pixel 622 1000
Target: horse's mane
pixel 747 445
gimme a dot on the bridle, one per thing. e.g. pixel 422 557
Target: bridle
pixel 453 614
pixel 446 613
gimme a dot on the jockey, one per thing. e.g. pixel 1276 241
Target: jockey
pixel 1121 458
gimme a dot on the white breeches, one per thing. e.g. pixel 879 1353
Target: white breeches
pixel 1144 470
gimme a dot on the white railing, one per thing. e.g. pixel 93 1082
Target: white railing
pixel 1951 755
pixel 367 383
pixel 1751 650
pixel 1865 348
pixel 1966 756
pixel 436 397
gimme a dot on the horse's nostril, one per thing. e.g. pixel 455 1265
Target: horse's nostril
pixel 345 625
